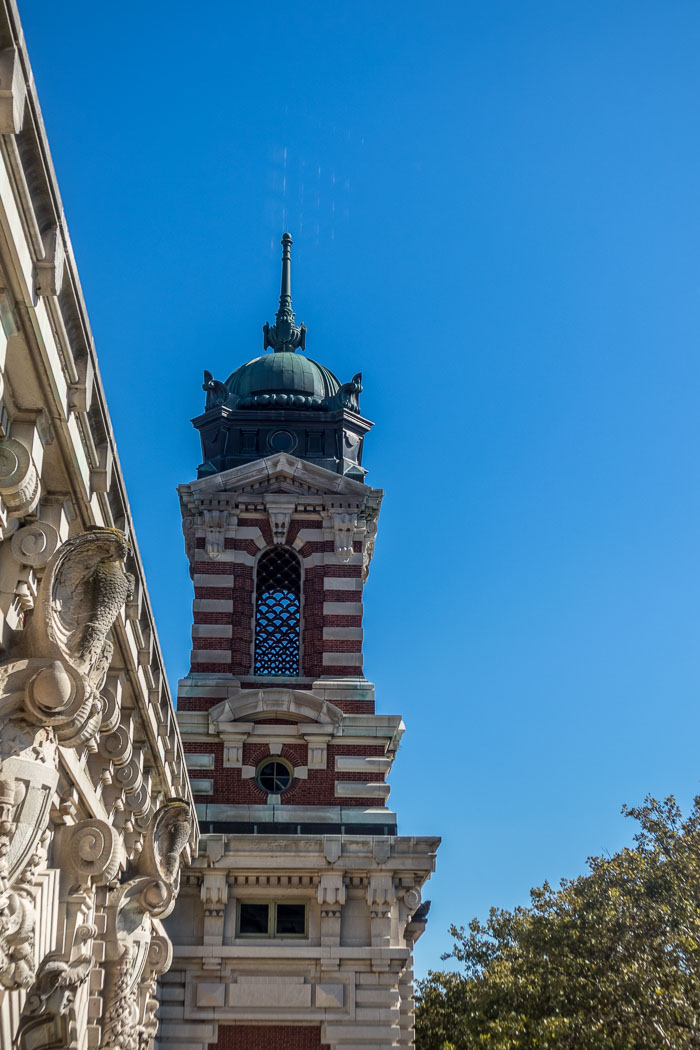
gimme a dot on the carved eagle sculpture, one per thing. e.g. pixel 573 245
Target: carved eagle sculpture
pixel 216 391
pixel 349 393
pixel 87 587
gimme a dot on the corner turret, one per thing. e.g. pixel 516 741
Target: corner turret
pixel 283 402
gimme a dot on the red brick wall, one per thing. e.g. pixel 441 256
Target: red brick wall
pixel 258 523
pixel 317 790
pixel 243 616
pixel 234 656
pixel 269 1037
pixel 312 613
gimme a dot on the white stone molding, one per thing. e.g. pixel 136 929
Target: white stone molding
pixel 287 474
pixel 233 740
pixel 242 704
pixel 331 897
pixel 13 92
pixel 380 898
pixel 362 764
pixel 49 270
pixel 318 746
pixel 214 895
pixel 101 473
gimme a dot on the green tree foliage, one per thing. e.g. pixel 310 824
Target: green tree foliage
pixel 609 961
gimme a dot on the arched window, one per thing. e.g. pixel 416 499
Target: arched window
pixel 277 612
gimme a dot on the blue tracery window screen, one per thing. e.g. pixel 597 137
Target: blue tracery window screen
pixel 277 613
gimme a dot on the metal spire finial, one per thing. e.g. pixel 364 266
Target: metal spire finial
pixel 284 334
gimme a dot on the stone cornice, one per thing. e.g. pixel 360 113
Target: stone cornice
pixel 305 480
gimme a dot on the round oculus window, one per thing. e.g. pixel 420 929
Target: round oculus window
pixel 282 441
pixel 274 775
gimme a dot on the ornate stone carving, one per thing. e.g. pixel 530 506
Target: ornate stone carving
pixel 34 544
pixel 28 778
pixel 331 896
pixel 166 838
pixel 280 515
pixel 368 548
pixel 216 391
pixel 49 695
pixel 111 704
pixel 48 1018
pixel 91 851
pixel 83 590
pixel 380 895
pixel 117 746
pixel 136 948
pixel 344 531
pixel 160 956
pixel 215 523
pixel 411 899
pixel 19 480
pixel 349 393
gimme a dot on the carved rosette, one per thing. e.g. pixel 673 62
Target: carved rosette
pixel 19 479
pixel 34 544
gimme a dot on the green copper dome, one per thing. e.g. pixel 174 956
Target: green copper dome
pixel 282 402
pixel 284 378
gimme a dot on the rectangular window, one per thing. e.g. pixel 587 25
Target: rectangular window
pixel 254 920
pixel 290 920
pixel 272 919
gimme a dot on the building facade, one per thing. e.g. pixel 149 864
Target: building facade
pixel 295 926
pixel 96 816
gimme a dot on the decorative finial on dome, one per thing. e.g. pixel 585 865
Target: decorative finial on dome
pixel 284 334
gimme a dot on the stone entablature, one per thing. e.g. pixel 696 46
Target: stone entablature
pixel 230 518
pixel 352 974
pixel 96 813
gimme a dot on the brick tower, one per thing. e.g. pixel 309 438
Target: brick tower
pixel 296 922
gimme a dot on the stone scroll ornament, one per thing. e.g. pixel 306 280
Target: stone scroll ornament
pixel 137 949
pixel 50 684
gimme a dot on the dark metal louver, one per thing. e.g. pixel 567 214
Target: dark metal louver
pixel 277 613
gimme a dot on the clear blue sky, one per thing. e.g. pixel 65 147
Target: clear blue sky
pixel 496 213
